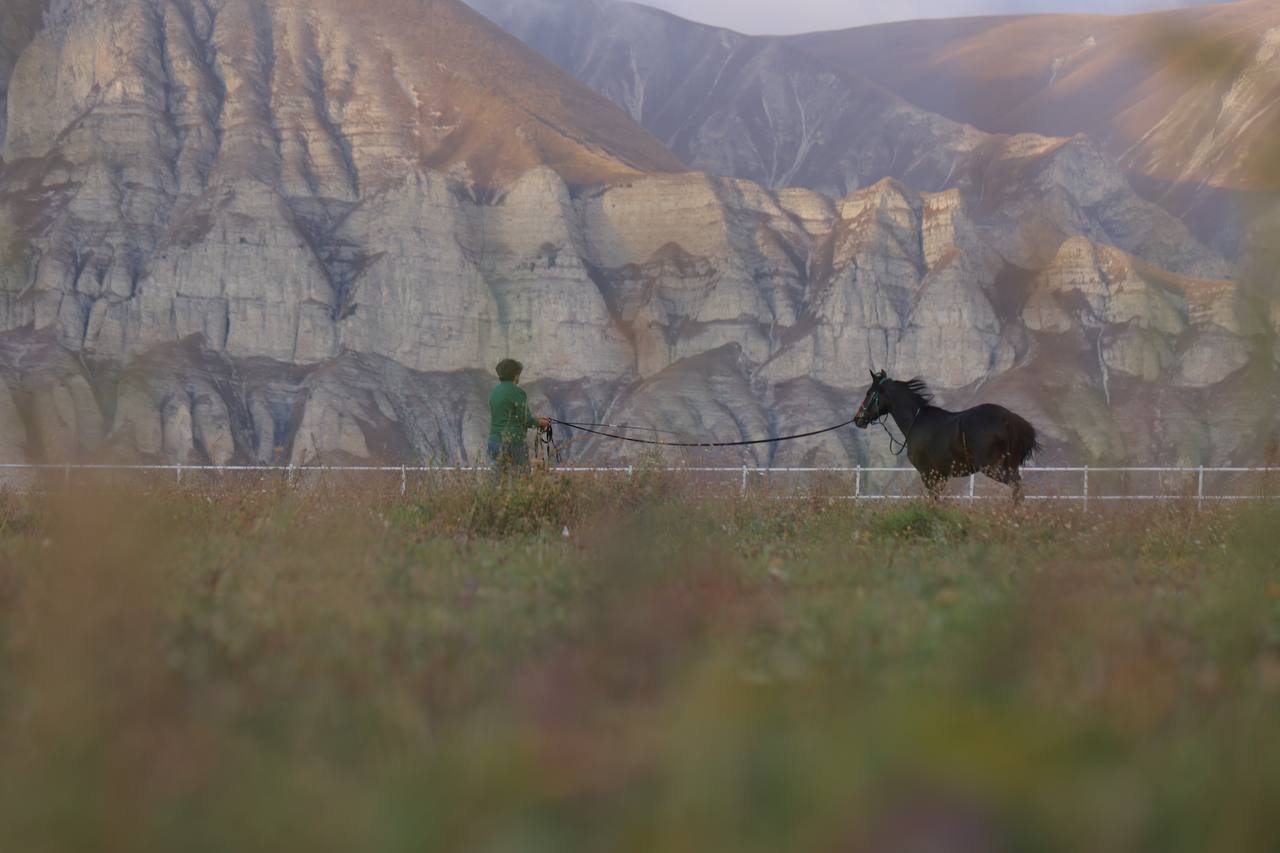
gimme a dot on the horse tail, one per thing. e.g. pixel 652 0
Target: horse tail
pixel 1021 438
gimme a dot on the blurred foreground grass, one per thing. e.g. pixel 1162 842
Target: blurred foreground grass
pixel 254 668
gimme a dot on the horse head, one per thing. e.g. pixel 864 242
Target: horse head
pixel 874 405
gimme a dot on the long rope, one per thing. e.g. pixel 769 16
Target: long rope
pixel 546 447
pixel 620 426
pixel 585 428
pixel 892 441
pixel 896 451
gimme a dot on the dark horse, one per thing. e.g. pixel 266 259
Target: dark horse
pixel 986 439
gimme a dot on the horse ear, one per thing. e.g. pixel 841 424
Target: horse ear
pixel 882 376
pixel 874 378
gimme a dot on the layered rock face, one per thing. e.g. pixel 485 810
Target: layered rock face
pixel 19 20
pixel 738 106
pixel 741 106
pixel 1183 96
pixel 1185 101
pixel 288 232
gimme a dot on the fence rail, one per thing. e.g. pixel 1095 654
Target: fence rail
pixel 1081 484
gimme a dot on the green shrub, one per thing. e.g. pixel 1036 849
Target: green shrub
pixel 921 521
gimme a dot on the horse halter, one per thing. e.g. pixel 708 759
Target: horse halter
pixel 905 438
pixel 874 399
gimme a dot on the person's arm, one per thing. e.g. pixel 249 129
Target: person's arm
pixel 530 421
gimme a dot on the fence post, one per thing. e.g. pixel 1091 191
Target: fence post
pixel 404 481
pixel 1200 488
pixel 744 479
pixel 629 471
pixel 973 481
pixel 289 476
pixel 1086 488
pixel 857 484
pixel 178 473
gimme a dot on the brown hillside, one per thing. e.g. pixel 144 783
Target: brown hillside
pixel 485 99
pixel 1189 95
pixel 358 89
pixel 513 108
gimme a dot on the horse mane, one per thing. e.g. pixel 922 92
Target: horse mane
pixel 919 390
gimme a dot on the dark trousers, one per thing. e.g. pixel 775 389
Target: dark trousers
pixel 509 457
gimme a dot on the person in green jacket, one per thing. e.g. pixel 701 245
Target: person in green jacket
pixel 509 417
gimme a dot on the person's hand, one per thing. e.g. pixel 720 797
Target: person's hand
pixel 544 423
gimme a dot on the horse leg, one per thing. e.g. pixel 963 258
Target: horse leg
pixel 933 486
pixel 1008 476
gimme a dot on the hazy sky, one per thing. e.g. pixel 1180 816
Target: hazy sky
pixel 790 16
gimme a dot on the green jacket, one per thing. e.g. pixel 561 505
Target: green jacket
pixel 509 414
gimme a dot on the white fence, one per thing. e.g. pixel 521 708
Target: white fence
pixel 1081 485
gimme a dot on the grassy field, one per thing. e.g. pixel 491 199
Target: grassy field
pixel 626 667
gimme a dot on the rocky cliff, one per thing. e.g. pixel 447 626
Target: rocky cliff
pixel 1182 96
pixel 19 20
pixel 1185 101
pixel 752 108
pixel 282 231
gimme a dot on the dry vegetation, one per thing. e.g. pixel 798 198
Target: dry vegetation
pixel 340 668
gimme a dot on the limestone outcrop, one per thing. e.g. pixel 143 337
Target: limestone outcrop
pixel 225 244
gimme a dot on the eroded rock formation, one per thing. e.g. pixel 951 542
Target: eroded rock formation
pixel 294 232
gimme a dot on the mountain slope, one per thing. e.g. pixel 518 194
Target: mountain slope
pixel 1184 101
pixel 263 230
pixel 806 111
pixel 281 89
pixel 751 108
pixel 1186 96
pixel 143 130
pixel 19 20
